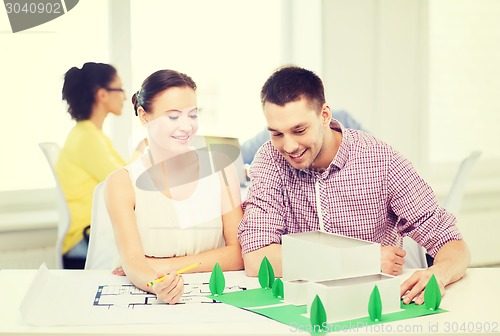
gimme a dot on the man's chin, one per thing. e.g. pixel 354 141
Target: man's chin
pixel 299 166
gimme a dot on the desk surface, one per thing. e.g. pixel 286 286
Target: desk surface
pixel 472 303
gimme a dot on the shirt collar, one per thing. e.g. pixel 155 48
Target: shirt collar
pixel 342 155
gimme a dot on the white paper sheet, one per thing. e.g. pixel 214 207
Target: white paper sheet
pixel 77 298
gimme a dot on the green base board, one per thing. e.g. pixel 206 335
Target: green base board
pixel 263 302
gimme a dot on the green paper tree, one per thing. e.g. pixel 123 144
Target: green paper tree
pixel 317 314
pixel 432 294
pixel 217 281
pixel 266 274
pixel 375 305
pixel 278 289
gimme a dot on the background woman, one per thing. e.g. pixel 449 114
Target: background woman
pixel 88 155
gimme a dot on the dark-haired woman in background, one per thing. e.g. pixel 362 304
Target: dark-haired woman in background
pixel 88 155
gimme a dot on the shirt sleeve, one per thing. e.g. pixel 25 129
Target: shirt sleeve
pixel 264 218
pixel 98 157
pixel 414 204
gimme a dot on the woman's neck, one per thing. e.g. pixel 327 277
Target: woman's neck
pixel 97 117
pixel 172 159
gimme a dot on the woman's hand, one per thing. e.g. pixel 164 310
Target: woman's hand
pixel 170 289
pixel 119 271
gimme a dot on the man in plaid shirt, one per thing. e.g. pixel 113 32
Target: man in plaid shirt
pixel 317 175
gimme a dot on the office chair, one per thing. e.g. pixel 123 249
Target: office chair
pixel 51 151
pixel 416 256
pixel 102 252
pixel 455 196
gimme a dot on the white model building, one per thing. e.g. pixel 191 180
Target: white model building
pixel 342 271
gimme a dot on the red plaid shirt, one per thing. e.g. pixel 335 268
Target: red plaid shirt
pixel 369 191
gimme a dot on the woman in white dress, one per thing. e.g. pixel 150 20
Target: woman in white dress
pixel 171 208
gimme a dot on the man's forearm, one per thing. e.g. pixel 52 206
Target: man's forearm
pixel 253 259
pixel 451 261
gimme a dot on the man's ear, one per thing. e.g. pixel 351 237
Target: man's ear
pixel 326 114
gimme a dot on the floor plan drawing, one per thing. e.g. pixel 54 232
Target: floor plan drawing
pixel 129 296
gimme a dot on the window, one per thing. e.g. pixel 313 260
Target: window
pixel 32 65
pixel 228 47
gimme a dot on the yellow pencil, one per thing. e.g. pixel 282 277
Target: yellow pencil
pixel 182 270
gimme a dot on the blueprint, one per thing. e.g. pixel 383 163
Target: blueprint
pixel 70 298
pixel 127 295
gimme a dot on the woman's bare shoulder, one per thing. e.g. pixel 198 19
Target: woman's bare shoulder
pixel 119 179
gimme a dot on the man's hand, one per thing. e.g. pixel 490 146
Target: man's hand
pixel 392 259
pixel 413 288
pixel 449 266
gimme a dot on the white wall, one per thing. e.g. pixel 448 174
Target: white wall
pixel 32 66
pixel 374 67
pixel 426 92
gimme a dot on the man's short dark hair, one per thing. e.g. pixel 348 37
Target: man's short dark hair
pixel 291 83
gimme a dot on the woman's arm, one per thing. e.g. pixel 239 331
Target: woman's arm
pixel 120 202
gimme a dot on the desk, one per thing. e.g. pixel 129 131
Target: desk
pixel 471 302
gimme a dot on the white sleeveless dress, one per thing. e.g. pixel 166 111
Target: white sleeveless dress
pixel 171 228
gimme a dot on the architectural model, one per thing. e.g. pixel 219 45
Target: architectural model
pixel 330 283
pixel 342 271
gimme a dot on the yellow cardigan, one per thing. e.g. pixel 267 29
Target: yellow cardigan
pixel 86 159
